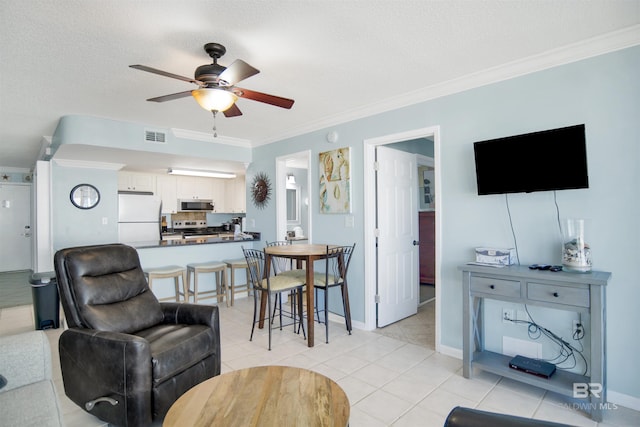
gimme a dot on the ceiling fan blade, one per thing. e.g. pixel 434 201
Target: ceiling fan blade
pixel 170 97
pixel 237 71
pixel 232 111
pixel 264 97
pixel 166 74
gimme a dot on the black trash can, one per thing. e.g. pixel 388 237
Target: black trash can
pixel 46 301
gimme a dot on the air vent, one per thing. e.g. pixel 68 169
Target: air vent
pixel 153 136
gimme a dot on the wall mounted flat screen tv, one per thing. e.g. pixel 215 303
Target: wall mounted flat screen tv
pixel 554 159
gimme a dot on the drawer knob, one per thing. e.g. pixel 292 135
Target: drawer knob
pixel 492 286
pixel 555 294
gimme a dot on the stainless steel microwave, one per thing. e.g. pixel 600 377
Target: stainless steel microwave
pixel 195 205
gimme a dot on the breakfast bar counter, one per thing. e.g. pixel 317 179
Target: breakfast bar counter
pixel 194 241
pixel 182 252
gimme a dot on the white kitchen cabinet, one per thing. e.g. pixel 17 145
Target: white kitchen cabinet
pixel 236 195
pixel 136 181
pixel 167 190
pixel 218 191
pixel 194 187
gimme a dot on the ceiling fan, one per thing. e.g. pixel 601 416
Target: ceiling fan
pixel 216 85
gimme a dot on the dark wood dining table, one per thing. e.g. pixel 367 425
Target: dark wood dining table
pixel 309 253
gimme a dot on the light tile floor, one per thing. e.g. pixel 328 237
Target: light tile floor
pixel 390 381
pixel 15 288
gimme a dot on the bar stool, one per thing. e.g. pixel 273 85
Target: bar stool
pixel 206 267
pixel 169 271
pixel 233 265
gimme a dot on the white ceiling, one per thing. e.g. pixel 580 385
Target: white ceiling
pixel 339 60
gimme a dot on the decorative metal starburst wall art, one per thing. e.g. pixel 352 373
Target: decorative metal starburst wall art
pixel 260 190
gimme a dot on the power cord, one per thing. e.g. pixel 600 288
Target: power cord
pixel 555 201
pixel 513 233
pixel 567 352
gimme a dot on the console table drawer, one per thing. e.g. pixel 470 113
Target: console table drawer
pixel 558 294
pixel 506 288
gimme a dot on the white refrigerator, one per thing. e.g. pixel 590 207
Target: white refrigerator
pixel 139 218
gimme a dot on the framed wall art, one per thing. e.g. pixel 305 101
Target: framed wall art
pixel 335 181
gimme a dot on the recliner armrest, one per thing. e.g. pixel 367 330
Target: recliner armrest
pixel 94 364
pixel 191 314
pixel 96 355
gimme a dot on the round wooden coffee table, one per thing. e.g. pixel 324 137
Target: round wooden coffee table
pixel 262 396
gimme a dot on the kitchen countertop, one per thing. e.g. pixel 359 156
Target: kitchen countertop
pixel 193 241
pixel 297 239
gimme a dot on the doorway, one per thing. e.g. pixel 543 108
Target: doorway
pixel 426 227
pixel 16 231
pixel 296 165
pixel 370 192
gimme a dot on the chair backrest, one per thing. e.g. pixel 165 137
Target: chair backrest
pixel 280 264
pixel 256 262
pixel 337 263
pixel 103 287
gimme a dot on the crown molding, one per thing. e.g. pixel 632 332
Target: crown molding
pixel 9 169
pixel 588 48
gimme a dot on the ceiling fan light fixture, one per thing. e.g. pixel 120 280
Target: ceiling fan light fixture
pixel 212 99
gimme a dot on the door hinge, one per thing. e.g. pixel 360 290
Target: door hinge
pixel 376 233
pixel 377 298
pixel 376 166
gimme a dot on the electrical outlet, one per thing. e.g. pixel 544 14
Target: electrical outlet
pixel 522 316
pixel 507 315
pixel 577 330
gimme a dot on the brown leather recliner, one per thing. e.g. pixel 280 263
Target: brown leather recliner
pixel 126 357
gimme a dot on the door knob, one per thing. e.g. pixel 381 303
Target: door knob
pixel 416 243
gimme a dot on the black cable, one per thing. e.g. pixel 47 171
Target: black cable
pixel 564 345
pixel 513 233
pixel 555 201
pixel 566 350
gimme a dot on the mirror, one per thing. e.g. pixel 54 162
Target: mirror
pixel 293 205
pixel 84 196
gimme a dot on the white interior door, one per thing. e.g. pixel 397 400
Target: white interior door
pixel 16 232
pixel 397 227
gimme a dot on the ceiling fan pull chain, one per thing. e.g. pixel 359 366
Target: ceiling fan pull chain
pixel 215 133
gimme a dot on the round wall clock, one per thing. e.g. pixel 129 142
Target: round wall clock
pixel 260 190
pixel 84 196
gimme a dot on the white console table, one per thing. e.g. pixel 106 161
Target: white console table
pixel 583 293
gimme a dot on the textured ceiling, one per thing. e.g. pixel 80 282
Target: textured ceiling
pixel 337 59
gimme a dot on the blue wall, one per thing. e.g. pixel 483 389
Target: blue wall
pixel 76 227
pixel 602 92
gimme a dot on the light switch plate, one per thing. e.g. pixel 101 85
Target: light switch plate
pixel 349 221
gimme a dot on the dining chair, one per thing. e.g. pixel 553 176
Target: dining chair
pixel 284 267
pixel 266 286
pixel 337 262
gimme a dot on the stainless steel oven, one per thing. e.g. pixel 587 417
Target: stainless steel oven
pixel 194 229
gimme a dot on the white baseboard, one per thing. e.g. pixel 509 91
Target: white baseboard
pixel 449 351
pixel 625 400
